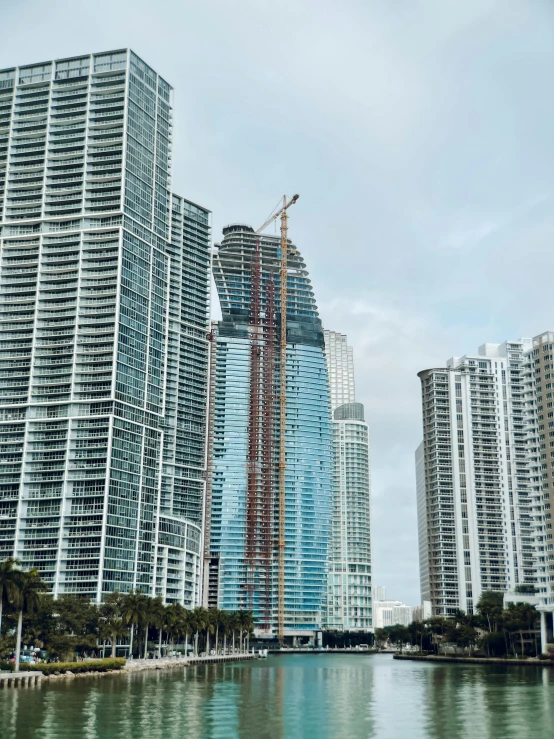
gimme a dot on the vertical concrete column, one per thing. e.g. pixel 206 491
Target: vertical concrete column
pixel 543 632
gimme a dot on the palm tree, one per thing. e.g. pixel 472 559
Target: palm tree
pixel 173 623
pixel 132 609
pixel 158 614
pixel 225 623
pixel 233 627
pixel 26 599
pixel 245 623
pixel 248 626
pixel 198 624
pixel 187 626
pixel 218 617
pixel 8 585
pixel 110 629
pixel 150 614
pixel 209 625
pixel 215 617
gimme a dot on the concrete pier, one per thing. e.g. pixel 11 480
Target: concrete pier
pixel 136 665
pixel 19 679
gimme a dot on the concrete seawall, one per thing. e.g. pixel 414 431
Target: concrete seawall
pixel 138 665
pixel 25 679
pixel 532 662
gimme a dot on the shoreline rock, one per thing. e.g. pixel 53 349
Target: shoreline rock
pixel 141 665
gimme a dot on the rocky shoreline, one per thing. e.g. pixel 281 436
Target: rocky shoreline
pixel 141 665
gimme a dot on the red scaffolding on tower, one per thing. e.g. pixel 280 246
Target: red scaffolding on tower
pixel 260 460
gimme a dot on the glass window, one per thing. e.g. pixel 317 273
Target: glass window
pixel 7 78
pixel 107 62
pixel 38 73
pixel 73 68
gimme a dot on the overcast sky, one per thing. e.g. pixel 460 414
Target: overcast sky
pixel 419 134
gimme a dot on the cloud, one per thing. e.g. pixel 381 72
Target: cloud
pixel 464 237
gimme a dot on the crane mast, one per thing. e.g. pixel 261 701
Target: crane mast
pixel 282 213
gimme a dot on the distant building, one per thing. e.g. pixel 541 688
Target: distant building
pixel 349 597
pixel 390 613
pixel 422 612
pixel 340 365
pixel 379 592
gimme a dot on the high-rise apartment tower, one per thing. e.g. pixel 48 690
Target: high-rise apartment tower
pixel 103 350
pixel 349 597
pixel 539 427
pixel 476 504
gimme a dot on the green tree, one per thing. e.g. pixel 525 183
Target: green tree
pixel 199 619
pixel 490 607
pixel 418 634
pixel 495 643
pixel 26 601
pixel 437 626
pixel 159 620
pixel 226 622
pixel 8 584
pixel 209 627
pixel 73 625
pixel 215 616
pixel 111 626
pixel 517 619
pixel 187 628
pixel 460 634
pixel 150 614
pixel 177 623
pixel 233 627
pixel 245 624
pixel 132 610
pixel 111 629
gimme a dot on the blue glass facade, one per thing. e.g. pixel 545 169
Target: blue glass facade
pixel 308 442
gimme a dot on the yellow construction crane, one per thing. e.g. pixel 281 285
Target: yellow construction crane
pixel 282 213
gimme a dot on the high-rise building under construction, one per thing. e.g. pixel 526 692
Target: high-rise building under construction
pixel 243 449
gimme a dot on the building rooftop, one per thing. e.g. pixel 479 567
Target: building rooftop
pixel 97 57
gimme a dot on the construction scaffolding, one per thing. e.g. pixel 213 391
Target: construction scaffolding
pixel 265 506
pixel 260 463
pixel 211 565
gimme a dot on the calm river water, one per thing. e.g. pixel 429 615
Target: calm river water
pixel 295 696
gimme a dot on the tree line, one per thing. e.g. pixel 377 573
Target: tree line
pixel 494 630
pixel 74 625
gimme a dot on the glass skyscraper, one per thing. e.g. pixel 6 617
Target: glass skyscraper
pixel 103 350
pixel 308 440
